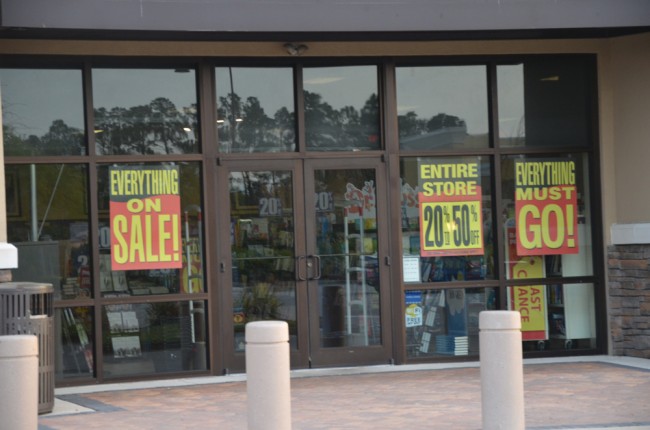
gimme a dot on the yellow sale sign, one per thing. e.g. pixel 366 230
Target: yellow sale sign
pixel 546 207
pixel 451 221
pixel 145 218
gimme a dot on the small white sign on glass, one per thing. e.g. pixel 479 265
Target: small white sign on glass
pixel 411 267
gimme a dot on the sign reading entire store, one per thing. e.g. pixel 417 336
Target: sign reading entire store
pixel 145 217
pixel 450 208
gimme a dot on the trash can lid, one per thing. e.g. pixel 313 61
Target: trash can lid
pixel 27 287
pixel 20 345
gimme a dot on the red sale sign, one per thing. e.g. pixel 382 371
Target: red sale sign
pixel 546 205
pixel 145 218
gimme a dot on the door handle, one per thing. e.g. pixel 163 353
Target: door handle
pixel 299 276
pixel 317 271
pixel 312 266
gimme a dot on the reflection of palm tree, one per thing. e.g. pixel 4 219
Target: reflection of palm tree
pixel 319 130
pixel 229 114
pixel 285 123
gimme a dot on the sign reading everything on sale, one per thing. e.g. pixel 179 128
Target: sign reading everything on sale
pixel 546 207
pixel 145 218
pixel 449 197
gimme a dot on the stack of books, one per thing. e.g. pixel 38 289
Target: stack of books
pixel 452 345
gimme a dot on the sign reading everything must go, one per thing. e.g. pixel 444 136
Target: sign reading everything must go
pixel 546 207
pixel 145 217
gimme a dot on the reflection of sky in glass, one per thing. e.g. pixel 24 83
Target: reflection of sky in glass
pixel 33 99
pixel 126 88
pixel 342 86
pixel 273 87
pixel 510 84
pixel 453 90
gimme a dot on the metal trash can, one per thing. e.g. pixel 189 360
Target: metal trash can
pixel 27 308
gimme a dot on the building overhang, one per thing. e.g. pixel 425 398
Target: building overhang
pixel 242 20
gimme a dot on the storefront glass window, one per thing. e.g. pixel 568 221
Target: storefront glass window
pixel 255 109
pixel 443 323
pixel 547 228
pixel 74 348
pixel 148 338
pixel 150 227
pixel 47 220
pixel 341 108
pixel 447 232
pixel 144 112
pixel 262 248
pixel 555 316
pixel 547 221
pixel 555 109
pixel 442 107
pixel 42 112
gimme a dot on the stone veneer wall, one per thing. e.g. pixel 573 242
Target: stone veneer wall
pixel 628 272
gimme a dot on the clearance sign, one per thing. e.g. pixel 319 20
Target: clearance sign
pixel 450 208
pixel 529 300
pixel 546 207
pixel 145 218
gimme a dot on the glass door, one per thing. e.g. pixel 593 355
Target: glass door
pixel 346 258
pixel 307 247
pixel 259 278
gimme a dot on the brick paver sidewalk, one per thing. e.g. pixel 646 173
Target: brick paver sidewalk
pixel 557 395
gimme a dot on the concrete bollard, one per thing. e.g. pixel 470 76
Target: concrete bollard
pixel 502 371
pixel 267 375
pixel 18 382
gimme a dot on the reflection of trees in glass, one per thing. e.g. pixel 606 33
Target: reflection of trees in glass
pixel 439 130
pixel 60 139
pixel 246 127
pixel 347 128
pixel 156 128
pixel 410 125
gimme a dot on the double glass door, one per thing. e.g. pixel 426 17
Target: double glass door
pixel 307 246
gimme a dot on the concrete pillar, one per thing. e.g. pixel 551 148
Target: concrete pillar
pixel 267 375
pixel 18 382
pixel 502 371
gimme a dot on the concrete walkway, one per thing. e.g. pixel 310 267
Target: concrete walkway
pixel 571 393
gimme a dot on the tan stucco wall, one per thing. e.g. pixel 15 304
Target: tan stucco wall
pixel 630 80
